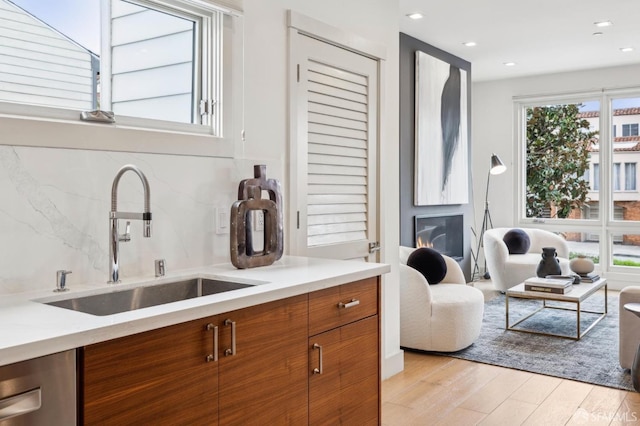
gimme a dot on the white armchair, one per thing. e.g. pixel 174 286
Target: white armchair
pixel 629 327
pixel 445 317
pixel 507 270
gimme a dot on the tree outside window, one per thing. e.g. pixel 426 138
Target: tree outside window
pixel 558 148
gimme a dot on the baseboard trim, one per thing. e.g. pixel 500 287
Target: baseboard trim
pixel 393 364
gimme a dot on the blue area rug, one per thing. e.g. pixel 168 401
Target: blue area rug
pixel 593 359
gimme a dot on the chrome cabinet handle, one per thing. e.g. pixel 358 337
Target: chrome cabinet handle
pixel 354 302
pixel 20 404
pixel 214 355
pixel 231 351
pixel 318 369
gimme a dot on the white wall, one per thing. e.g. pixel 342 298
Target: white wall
pixel 55 202
pixel 493 127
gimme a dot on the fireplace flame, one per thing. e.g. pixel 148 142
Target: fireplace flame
pixel 422 243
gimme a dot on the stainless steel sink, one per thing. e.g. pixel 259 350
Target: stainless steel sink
pixel 144 297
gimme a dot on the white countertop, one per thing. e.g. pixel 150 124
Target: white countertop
pixel 29 329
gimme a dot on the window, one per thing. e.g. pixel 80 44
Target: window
pixel 561 138
pixel 630 176
pixel 157 64
pixel 616 176
pixel 154 70
pixel 630 129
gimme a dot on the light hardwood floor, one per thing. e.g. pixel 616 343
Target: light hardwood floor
pixel 437 390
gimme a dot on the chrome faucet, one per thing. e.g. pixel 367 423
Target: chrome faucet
pixel 114 236
pixel 61 280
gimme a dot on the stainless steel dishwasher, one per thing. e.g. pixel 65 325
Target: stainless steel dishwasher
pixel 40 391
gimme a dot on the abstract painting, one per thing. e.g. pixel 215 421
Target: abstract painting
pixel 442 161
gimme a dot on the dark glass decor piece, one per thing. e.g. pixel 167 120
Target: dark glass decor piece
pixel 549 265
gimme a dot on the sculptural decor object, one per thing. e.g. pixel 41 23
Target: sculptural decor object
pixel 581 265
pixel 549 265
pixel 243 252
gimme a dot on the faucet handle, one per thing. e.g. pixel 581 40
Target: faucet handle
pixel 127 233
pixel 61 280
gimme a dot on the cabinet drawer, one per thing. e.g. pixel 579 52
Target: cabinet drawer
pixel 336 306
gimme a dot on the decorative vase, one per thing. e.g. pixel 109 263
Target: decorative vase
pixel 581 265
pixel 549 265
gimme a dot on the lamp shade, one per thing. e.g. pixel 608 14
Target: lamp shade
pixel 497 166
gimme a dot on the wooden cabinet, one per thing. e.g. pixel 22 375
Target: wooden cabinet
pixel 159 377
pixel 265 382
pixel 250 366
pixel 169 376
pixel 344 360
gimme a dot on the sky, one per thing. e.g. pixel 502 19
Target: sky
pixel 615 103
pixel 77 19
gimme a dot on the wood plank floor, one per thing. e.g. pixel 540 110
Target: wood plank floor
pixel 436 390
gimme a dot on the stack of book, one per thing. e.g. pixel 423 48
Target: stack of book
pixel 549 285
pixel 589 278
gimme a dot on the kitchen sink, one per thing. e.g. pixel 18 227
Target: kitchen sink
pixel 144 297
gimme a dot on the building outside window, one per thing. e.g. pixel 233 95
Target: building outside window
pixel 155 64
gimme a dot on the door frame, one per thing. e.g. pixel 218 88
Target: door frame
pixel 299 24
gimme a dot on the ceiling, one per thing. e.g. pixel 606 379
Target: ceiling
pixel 541 37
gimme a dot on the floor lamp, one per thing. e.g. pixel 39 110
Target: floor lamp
pixel 497 167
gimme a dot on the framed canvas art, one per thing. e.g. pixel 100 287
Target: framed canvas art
pixel 441 143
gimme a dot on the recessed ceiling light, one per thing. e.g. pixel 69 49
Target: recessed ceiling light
pixel 626 49
pixel 598 33
pixel 469 43
pixel 603 24
pixel 509 64
pixel 415 15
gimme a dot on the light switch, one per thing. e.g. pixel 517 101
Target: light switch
pixel 222 220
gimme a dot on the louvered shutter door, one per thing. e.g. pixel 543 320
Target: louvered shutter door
pixel 338 90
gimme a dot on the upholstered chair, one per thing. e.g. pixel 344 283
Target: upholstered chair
pixel 445 317
pixel 507 270
pixel 629 326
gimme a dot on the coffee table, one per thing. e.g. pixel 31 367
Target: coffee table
pixel 577 295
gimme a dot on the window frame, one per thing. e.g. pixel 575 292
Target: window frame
pixel 606 226
pixel 40 126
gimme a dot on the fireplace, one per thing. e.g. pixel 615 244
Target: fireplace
pixel 442 233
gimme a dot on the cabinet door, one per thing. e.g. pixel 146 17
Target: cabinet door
pixel 159 377
pixel 265 380
pixel 346 390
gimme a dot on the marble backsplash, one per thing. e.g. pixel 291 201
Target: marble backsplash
pixel 55 203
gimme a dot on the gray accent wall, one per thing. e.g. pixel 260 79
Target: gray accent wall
pixel 408 211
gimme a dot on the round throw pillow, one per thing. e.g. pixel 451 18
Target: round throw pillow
pixel 517 241
pixel 429 263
